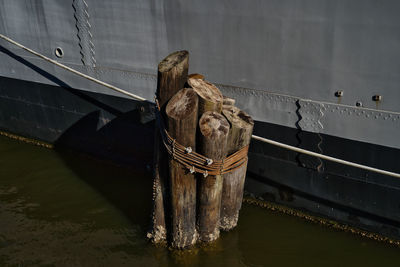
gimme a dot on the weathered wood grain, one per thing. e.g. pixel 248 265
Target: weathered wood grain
pixel 213 136
pixel 233 183
pixel 182 117
pixel 210 98
pixel 172 75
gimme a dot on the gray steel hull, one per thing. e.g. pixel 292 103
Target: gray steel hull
pixel 121 130
pixel 282 60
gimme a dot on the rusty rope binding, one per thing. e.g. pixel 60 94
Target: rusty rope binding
pixel 196 162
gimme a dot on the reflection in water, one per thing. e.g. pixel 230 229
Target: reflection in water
pixel 64 209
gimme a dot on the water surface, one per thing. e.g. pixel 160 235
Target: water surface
pixel 59 208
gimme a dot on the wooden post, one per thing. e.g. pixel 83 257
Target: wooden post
pixel 228 101
pixel 210 98
pixel 213 136
pixel 233 182
pixel 182 117
pixel 172 75
pixel 196 76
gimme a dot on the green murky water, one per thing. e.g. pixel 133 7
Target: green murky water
pixel 65 209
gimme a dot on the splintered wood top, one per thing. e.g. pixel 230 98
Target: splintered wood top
pixel 213 125
pixel 237 116
pixel 205 90
pixel 172 60
pixel 182 104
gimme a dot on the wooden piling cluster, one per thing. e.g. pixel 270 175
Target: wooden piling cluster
pixel 192 205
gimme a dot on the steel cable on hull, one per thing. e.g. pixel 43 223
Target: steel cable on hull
pixel 255 137
pixel 136 97
pixel 314 154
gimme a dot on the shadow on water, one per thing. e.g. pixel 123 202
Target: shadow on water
pixel 124 182
pixel 128 190
pixel 121 139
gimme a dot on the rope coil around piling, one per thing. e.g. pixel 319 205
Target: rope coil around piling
pixel 196 162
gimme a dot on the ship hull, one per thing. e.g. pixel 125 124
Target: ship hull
pixel 319 75
pixel 122 130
